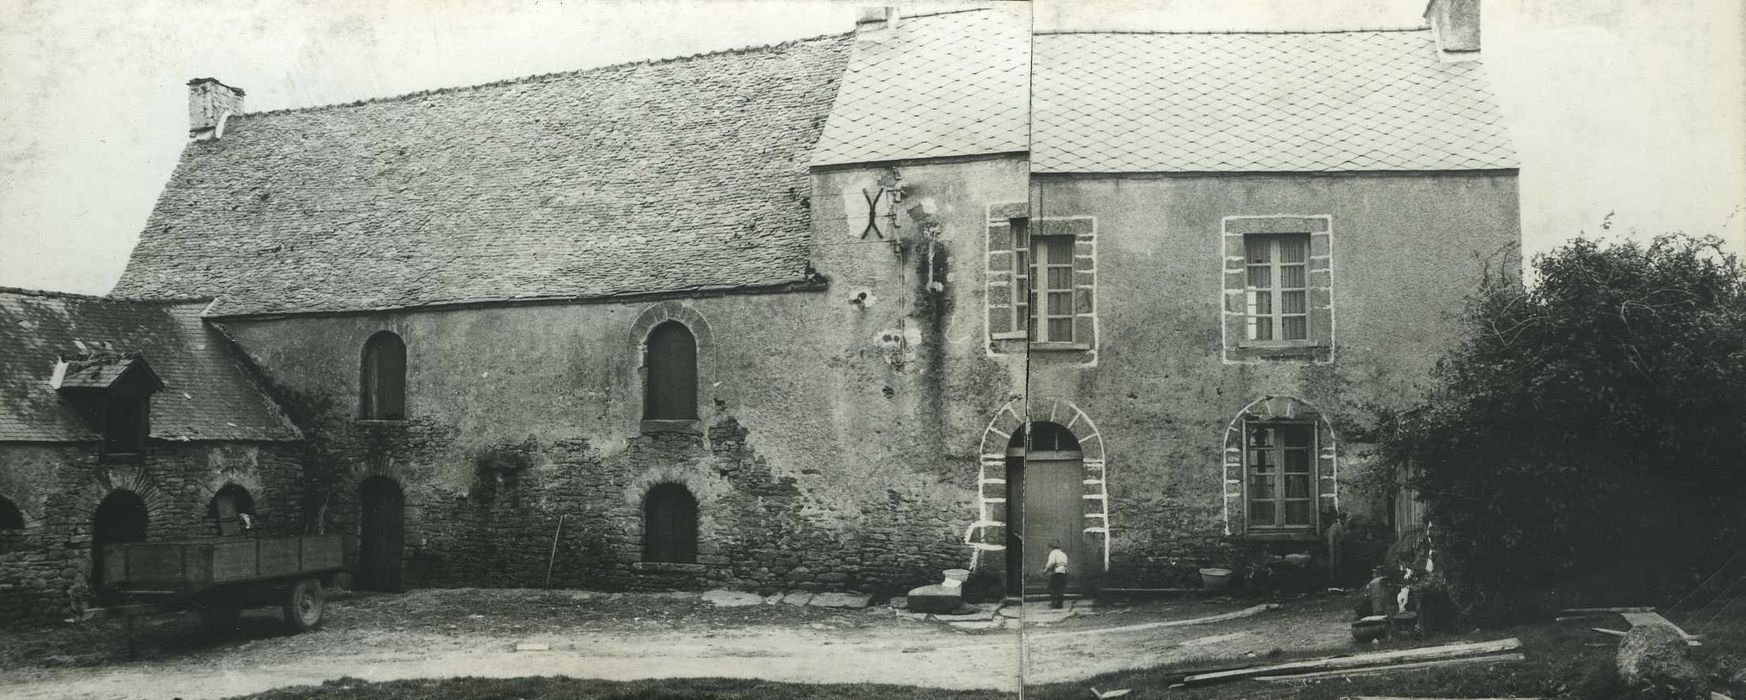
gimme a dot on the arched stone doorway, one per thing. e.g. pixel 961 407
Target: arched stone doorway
pixel 120 518
pixel 998 520
pixel 1045 505
pixel 381 533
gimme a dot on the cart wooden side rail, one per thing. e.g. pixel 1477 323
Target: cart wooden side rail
pixel 221 576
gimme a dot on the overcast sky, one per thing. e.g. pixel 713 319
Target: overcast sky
pixel 1636 107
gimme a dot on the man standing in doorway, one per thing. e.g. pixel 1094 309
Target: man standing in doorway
pixel 1056 568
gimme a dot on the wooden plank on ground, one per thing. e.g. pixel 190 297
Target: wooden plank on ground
pixel 1245 612
pixel 1581 611
pixel 1371 670
pixel 1603 630
pixel 1442 651
pixel 1651 618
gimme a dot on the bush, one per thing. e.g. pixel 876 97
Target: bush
pixel 1622 373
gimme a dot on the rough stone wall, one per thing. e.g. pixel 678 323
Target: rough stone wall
pixel 44 569
pixel 1405 251
pixel 836 444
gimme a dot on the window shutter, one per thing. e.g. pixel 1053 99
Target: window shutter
pixel 670 387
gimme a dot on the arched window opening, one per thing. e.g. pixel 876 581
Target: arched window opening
pixel 670 525
pixel 120 518
pixel 10 517
pixel 1043 437
pixel 670 358
pixel 382 391
pixel 231 510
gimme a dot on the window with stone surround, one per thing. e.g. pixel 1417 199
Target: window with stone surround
pixel 1041 282
pixel 11 525
pixel 382 379
pixel 670 525
pixel 670 390
pixel 126 423
pixel 1278 287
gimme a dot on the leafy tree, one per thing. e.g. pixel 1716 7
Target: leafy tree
pixel 1605 405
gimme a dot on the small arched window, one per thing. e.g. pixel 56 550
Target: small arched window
pixel 670 388
pixel 232 510
pixel 382 390
pixel 670 525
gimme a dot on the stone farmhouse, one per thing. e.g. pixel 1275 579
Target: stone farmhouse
pixel 833 314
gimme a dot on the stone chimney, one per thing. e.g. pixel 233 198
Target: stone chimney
pixel 1456 26
pixel 209 103
pixel 875 24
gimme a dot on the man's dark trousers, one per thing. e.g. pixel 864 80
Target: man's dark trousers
pixel 1057 590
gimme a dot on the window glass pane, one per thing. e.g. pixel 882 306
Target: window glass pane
pixel 1021 233
pixel 1060 303
pixel 1297 513
pixel 1297 486
pixel 1061 329
pixel 1257 249
pixel 1261 488
pixel 1060 249
pixel 1261 461
pixel 1293 328
pixel 1291 302
pixel 1295 435
pixel 1060 278
pixel 1291 277
pixel 1260 437
pixel 1263 329
pixel 1292 249
pixel 1261 513
pixel 1261 278
pixel 1296 460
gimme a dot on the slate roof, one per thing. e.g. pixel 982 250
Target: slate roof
pixel 1363 100
pixel 677 175
pixel 948 84
pixel 207 395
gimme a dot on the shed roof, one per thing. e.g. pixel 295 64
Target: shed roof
pixel 676 175
pixel 207 393
pixel 1361 100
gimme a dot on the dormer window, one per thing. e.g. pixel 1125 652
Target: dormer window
pixel 114 392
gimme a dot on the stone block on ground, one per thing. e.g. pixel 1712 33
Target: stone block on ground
pixel 840 600
pixel 898 602
pixel 1654 662
pixel 797 598
pixel 732 599
pixel 935 599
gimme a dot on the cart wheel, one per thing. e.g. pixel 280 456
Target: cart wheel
pixel 218 617
pixel 304 605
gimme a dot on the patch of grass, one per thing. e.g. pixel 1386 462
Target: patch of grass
pixel 536 688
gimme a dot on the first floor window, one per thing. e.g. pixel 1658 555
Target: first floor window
pixel 1281 475
pixel 1276 286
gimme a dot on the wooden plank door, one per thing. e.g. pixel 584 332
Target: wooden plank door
pixel 380 537
pixel 1054 511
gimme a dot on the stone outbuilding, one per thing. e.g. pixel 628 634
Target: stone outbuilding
pixel 120 421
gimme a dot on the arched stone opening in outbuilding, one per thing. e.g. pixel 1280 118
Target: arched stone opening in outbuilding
pixel 670 386
pixel 120 518
pixel 231 510
pixel 382 378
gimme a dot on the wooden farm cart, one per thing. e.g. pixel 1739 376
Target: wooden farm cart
pixel 220 577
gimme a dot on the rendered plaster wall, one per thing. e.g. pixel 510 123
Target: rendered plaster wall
pixel 44 568
pixel 836 447
pixel 1406 249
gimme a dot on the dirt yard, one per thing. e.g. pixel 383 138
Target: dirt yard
pixel 472 632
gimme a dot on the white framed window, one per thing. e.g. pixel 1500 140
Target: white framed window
pixel 1276 288
pixel 1280 475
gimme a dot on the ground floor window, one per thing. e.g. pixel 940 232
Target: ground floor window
pixel 1280 469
